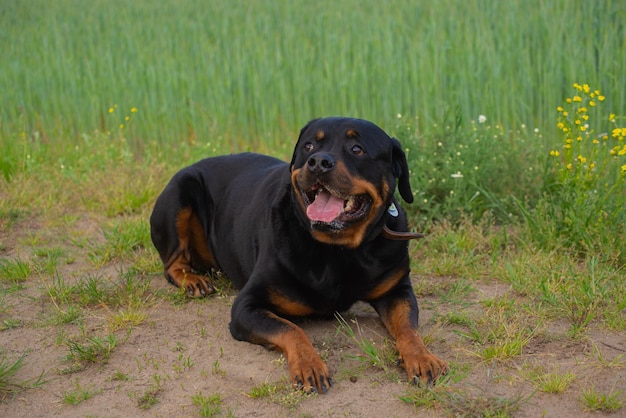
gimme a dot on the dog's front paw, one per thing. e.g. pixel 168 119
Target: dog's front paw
pixel 196 286
pixel 309 373
pixel 424 368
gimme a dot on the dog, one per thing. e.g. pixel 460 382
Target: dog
pixel 307 238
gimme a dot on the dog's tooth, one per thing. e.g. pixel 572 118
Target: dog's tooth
pixel 349 204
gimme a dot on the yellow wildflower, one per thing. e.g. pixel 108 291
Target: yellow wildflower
pixel 581 159
pixel 577 99
pixel 559 109
pixel 583 127
pixel 133 110
pixel 577 86
pixel 555 153
pixel 568 100
pixel 601 98
pixel 592 103
pixel 624 169
pixel 586 88
pixel 111 110
pixel 121 126
pixel 569 166
pixel 612 117
pixel 565 114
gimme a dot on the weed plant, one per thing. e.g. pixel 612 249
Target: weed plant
pixel 8 383
pixel 584 201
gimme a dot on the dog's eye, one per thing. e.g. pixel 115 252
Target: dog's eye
pixel 357 150
pixel 308 147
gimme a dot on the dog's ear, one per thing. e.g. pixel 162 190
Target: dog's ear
pixel 293 157
pixel 400 169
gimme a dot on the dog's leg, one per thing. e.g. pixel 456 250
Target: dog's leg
pixel 179 273
pixel 260 326
pixel 398 311
pixel 193 251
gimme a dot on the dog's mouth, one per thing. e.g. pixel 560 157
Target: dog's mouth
pixel 328 206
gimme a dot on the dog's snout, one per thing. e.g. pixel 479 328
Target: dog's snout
pixel 320 163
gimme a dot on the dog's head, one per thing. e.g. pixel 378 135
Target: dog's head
pixel 344 173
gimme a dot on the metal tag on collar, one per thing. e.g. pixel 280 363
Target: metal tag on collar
pixel 393 210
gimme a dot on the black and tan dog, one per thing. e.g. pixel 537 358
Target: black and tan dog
pixel 308 238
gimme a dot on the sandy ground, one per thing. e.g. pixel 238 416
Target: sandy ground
pixel 181 350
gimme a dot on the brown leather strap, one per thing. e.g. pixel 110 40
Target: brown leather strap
pixel 400 236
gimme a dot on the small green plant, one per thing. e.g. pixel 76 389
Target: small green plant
pixel 502 332
pixel 14 271
pixel 94 350
pixel 548 382
pixel 281 393
pixel 596 401
pixel 263 390
pixel 120 376
pixel 183 363
pixel 79 394
pixel 217 369
pixel 464 403
pixel 8 370
pixel 149 398
pixel 383 357
pixel 210 405
pixel 128 317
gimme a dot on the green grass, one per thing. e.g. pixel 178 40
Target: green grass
pixel 93 350
pixel 219 74
pixel 604 402
pixel 79 394
pixel 384 357
pixel 210 405
pixel 9 384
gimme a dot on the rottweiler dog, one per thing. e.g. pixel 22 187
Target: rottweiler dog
pixel 306 238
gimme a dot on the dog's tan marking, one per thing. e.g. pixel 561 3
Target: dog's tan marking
pixel 287 306
pixel 417 360
pixel 306 368
pixel 386 284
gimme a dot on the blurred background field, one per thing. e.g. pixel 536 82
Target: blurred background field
pixel 256 71
pixel 471 88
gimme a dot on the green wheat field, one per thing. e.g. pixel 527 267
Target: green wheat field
pixel 512 114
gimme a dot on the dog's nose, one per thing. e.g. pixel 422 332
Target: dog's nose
pixel 320 163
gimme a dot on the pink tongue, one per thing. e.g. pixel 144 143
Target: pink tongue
pixel 325 208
